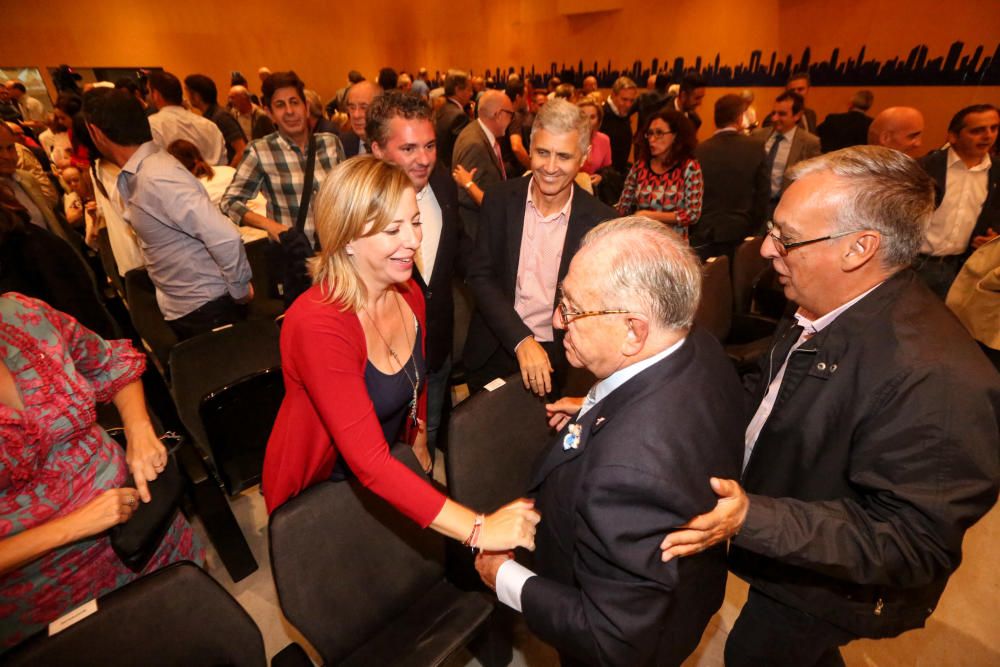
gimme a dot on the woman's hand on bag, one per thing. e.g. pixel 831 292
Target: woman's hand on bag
pixel 513 525
pixel 107 510
pixel 146 457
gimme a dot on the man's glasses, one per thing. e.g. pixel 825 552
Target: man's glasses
pixel 566 315
pixel 784 246
pixel 657 134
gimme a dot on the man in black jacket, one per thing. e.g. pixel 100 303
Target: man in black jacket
pixel 737 184
pixel 617 123
pixel 401 132
pixel 873 440
pixel 843 130
pixel 450 119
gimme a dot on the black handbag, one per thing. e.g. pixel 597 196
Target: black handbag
pixel 136 540
pixel 294 245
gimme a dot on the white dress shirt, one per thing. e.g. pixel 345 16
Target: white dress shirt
pixel 431 223
pixel 175 122
pixel 511 575
pixel 780 159
pixel 809 329
pixel 965 189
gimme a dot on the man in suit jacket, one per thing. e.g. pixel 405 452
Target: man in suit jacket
pixel 400 129
pixel 798 83
pixel 529 230
pixel 737 184
pixel 478 158
pixel 617 122
pixel 966 195
pixel 785 143
pixel 450 118
pixel 627 460
pixel 688 98
pixel 359 98
pixel 843 130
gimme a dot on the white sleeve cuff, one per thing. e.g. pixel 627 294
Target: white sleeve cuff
pixel 510 581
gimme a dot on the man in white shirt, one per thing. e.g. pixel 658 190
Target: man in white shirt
pixel 626 462
pixel 968 213
pixel 785 142
pixel 172 121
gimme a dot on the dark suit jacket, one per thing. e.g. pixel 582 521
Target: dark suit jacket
pixel 692 115
pixel 448 123
pixel 619 131
pixel 804 146
pixel 492 270
pixel 474 151
pixel 843 130
pixel 351 141
pixel 641 470
pixel 936 165
pixel 451 251
pixel 737 187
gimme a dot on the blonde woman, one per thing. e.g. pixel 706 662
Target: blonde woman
pixel 352 358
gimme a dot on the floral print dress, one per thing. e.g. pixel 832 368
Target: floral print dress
pixel 54 458
pixel 679 189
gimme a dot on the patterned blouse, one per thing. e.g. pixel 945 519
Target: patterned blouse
pixel 678 189
pixel 54 459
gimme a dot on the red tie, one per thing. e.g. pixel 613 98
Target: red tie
pixel 496 149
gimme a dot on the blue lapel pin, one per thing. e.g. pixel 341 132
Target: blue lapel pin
pixel 572 437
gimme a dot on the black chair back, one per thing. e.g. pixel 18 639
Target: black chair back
pixel 175 616
pixel 364 584
pixel 748 267
pixel 494 439
pixel 263 305
pixel 715 311
pixel 221 361
pixel 238 420
pixel 159 338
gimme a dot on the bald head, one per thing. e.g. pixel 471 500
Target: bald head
pixel 239 98
pixel 900 128
pixel 589 85
pixel 359 97
pixel 495 111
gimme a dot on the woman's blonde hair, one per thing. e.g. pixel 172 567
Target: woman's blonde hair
pixel 361 191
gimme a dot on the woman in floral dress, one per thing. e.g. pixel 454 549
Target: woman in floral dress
pixel 62 478
pixel 665 182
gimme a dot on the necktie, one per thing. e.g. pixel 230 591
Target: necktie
pixel 588 402
pixel 496 149
pixel 773 153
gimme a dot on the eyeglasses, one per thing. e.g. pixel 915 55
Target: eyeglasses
pixel 566 315
pixel 784 246
pixel 657 134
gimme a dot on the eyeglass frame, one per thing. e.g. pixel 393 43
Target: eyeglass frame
pixel 783 247
pixel 567 317
pixel 649 134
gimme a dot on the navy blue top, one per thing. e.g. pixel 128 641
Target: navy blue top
pixel 392 396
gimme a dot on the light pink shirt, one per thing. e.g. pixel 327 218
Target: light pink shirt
pixel 542 242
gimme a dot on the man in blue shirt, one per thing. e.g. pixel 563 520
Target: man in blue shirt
pixel 193 253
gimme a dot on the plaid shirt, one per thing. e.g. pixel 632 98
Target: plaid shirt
pixel 279 167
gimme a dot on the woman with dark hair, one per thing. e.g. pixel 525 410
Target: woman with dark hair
pixel 215 179
pixel 665 183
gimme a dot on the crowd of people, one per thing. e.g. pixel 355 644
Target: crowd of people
pixel 838 480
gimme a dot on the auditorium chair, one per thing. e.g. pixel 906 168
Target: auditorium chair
pixel 263 306
pixel 364 584
pixel 156 334
pixel 175 616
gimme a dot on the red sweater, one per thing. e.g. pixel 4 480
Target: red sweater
pixel 327 411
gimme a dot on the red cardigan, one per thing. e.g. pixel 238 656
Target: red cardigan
pixel 327 411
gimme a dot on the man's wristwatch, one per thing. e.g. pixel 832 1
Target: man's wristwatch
pixel 469 185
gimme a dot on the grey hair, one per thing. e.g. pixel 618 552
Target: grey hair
pixel 622 83
pixel 883 190
pixel 560 116
pixel 653 271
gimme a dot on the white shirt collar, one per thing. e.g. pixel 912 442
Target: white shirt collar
pixel 489 135
pixel 954 158
pixel 813 327
pixel 788 135
pixel 725 130
pixel 602 389
pixel 613 107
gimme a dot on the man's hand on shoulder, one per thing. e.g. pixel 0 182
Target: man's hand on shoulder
pixel 706 530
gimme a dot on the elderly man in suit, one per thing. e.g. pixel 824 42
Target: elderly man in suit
pixel 450 118
pixel 626 460
pixel 529 231
pixel 843 130
pixel 25 188
pixel 785 143
pixel 737 184
pixel 871 438
pixel 478 157
pixel 401 132
pixel 359 97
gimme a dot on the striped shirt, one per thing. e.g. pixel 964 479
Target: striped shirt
pixel 278 166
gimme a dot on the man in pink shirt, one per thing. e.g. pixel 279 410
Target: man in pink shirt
pixel 529 229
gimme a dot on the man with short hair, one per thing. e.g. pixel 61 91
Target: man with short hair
pixel 172 121
pixel 653 100
pixel 387 78
pixel 737 184
pixel 968 196
pixel 421 85
pixel 356 102
pixel 203 96
pixel 798 83
pixel 872 446
pixel 843 130
pixel 401 132
pixel 617 122
pixel 515 131
pixel 9 110
pixel 194 255
pixel 589 86
pixel 450 119
pixel 629 461
pixel 254 121
pixel 478 156
pixel 25 186
pixel 405 83
pixel 277 165
pixel 689 97
pixel 785 143
pixel 32 110
pixel 529 229
pixel 899 128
